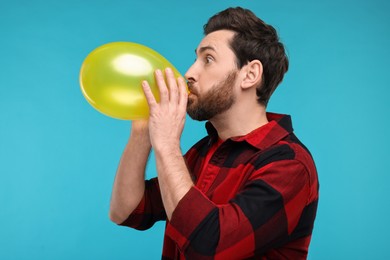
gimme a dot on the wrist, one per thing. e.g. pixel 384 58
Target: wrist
pixel 139 136
pixel 168 149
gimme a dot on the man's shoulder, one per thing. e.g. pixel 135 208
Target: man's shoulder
pixel 289 148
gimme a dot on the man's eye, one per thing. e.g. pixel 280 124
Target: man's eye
pixel 209 59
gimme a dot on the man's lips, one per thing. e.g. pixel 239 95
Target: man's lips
pixel 191 88
pixel 193 93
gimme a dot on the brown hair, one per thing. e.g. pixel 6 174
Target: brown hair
pixel 253 40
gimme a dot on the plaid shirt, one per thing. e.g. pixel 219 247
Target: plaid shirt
pixel 256 198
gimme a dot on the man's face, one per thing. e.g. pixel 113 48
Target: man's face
pixel 212 77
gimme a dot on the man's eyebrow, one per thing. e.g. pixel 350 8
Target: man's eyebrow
pixel 204 48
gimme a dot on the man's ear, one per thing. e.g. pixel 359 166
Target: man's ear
pixel 253 74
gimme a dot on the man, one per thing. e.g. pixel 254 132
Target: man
pixel 247 190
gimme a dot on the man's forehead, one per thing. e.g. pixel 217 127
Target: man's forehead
pixel 215 41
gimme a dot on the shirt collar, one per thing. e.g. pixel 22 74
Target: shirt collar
pixel 278 127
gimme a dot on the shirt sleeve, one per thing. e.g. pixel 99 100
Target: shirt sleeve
pixel 262 215
pixel 149 210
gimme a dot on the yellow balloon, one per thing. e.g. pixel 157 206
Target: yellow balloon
pixel 111 77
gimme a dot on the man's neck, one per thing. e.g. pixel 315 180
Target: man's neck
pixel 239 122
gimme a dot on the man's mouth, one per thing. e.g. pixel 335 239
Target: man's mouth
pixel 191 89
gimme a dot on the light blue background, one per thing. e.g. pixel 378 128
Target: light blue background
pixel 58 156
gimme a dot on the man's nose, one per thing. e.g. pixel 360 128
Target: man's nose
pixel 190 75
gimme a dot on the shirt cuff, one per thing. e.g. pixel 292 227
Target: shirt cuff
pixel 191 210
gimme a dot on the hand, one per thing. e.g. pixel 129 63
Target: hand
pixel 166 119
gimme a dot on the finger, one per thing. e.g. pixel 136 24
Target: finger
pixel 148 94
pixel 173 91
pixel 183 93
pixel 164 95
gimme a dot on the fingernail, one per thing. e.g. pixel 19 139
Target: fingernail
pixel 169 70
pixel 158 72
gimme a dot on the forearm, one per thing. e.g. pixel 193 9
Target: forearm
pixel 129 184
pixel 166 122
pixel 173 176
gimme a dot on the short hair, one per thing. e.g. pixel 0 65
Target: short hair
pixel 253 40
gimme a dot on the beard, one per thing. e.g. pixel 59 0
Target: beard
pixel 215 101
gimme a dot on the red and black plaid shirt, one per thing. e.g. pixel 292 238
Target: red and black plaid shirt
pixel 256 198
